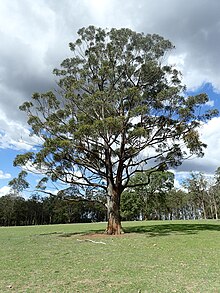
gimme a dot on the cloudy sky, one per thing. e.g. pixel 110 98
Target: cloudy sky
pixel 34 39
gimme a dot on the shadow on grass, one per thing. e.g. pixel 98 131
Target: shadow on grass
pixel 69 234
pixel 167 229
pixel 151 230
pixel 88 232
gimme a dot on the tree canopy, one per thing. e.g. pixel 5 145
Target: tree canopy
pixel 119 109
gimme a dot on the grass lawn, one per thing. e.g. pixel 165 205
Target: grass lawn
pixel 154 256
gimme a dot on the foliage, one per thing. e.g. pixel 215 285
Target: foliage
pixel 215 195
pixel 146 199
pixel 53 209
pixel 120 109
pixel 197 186
pixel 157 199
pixel 206 195
pixel 160 200
pixel 19 184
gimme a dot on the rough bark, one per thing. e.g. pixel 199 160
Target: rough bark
pixel 113 208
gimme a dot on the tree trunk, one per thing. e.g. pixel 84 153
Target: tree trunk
pixel 113 207
pixel 216 209
pixel 204 211
pixel 211 210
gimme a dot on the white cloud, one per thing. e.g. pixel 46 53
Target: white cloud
pixel 180 177
pixel 210 103
pixel 14 135
pixel 4 175
pixel 4 190
pixel 55 191
pixel 177 60
pixel 29 167
pixel 210 135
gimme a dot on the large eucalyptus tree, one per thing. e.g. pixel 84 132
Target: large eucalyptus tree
pixel 119 110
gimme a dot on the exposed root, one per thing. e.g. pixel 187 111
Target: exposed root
pixel 89 240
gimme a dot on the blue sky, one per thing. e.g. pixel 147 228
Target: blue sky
pixel 34 40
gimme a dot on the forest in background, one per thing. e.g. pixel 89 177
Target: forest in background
pixel 158 200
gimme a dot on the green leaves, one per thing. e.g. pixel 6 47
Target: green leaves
pixel 193 143
pixel 22 160
pixel 117 101
pixel 19 184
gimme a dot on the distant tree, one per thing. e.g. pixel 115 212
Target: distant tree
pixel 7 215
pixel 131 205
pixel 68 207
pixel 12 210
pixel 34 210
pixel 90 207
pixel 119 110
pixel 20 211
pixel 178 205
pixel 197 186
pixel 215 194
pixel 147 200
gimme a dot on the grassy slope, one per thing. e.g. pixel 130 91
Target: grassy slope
pixel 152 257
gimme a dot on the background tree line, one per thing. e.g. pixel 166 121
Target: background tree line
pixel 52 209
pixel 157 200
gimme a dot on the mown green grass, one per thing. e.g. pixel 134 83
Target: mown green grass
pixel 177 256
